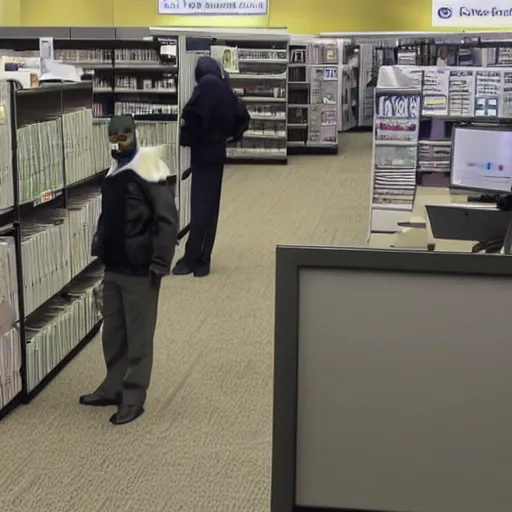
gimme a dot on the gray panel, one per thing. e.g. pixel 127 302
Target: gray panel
pixel 404 391
pixel 93 32
pixel 132 32
pixel 34 32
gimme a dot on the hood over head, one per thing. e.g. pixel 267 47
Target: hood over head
pixel 208 66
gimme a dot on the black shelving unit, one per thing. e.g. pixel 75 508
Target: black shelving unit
pixel 29 109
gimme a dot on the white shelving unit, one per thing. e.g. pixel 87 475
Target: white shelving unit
pixel 313 93
pixel 348 102
pixel 257 67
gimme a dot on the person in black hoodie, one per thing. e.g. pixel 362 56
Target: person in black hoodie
pixel 135 240
pixel 207 124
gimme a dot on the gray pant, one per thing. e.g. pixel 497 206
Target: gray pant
pixel 130 306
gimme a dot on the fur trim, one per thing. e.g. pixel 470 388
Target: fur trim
pixel 148 163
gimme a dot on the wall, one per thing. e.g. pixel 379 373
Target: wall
pixel 299 16
pixel 54 13
pixel 10 12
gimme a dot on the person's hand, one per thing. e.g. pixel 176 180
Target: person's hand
pixel 155 279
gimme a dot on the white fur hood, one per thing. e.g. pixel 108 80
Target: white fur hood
pixel 148 163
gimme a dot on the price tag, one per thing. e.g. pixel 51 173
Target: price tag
pixel 44 197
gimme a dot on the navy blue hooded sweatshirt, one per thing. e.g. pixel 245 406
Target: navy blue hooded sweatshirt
pixel 208 117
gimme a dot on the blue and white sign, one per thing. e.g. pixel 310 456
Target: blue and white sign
pixel 213 7
pixel 472 13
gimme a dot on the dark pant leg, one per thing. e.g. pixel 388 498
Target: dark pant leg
pixel 211 231
pixel 114 338
pixel 201 201
pixel 140 299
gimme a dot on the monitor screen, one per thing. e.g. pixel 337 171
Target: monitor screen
pixel 482 159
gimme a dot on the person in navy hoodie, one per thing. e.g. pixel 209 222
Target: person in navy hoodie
pixel 207 124
pixel 135 240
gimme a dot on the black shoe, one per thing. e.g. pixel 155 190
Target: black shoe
pixel 182 269
pixel 98 400
pixel 126 414
pixel 202 270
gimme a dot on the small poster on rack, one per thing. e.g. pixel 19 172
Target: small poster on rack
pixel 507 95
pixel 227 56
pixel 396 130
pixel 487 93
pixel 460 93
pixel 435 91
pixel 405 106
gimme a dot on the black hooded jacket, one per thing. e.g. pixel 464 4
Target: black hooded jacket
pixel 208 117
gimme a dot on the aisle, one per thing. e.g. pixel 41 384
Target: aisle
pixel 204 443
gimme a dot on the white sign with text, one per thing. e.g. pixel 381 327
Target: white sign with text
pixel 213 7
pixel 472 13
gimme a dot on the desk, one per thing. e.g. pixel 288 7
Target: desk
pixel 472 221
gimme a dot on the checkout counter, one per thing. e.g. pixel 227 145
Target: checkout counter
pixel 392 383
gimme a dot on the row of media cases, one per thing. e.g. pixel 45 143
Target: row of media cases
pixel 61 282
pixel 291 95
pixel 416 109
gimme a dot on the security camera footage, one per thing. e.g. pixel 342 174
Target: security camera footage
pixel 482 159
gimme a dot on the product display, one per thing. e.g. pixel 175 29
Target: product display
pixel 397 118
pixel 6 183
pixel 45 250
pixel 258 76
pixel 84 209
pixel 348 85
pixel 414 148
pixel 78 146
pixel 61 325
pixel 10 366
pixel 8 279
pixel 60 146
pixel 141 79
pixel 313 94
pixel 161 133
pixel 40 171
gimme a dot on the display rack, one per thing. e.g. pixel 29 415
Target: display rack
pixel 257 68
pixel 416 110
pixel 313 96
pixel 49 282
pixel 132 73
pixel 137 77
pixel 348 84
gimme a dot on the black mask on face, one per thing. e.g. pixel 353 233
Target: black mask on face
pixel 122 136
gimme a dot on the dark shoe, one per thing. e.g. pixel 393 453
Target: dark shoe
pixel 126 414
pixel 182 269
pixel 202 270
pixel 98 400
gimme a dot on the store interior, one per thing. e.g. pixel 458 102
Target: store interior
pixel 389 140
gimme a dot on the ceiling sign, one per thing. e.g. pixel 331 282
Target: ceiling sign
pixel 472 13
pixel 213 7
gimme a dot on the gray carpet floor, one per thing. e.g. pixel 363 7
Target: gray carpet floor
pixel 204 444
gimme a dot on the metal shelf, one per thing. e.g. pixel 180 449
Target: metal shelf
pixel 261 99
pixel 257 76
pixel 252 135
pixel 256 117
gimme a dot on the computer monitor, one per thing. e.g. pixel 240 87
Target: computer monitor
pixel 482 159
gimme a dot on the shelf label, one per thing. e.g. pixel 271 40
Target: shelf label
pixel 330 73
pixel 45 197
pixel 213 7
